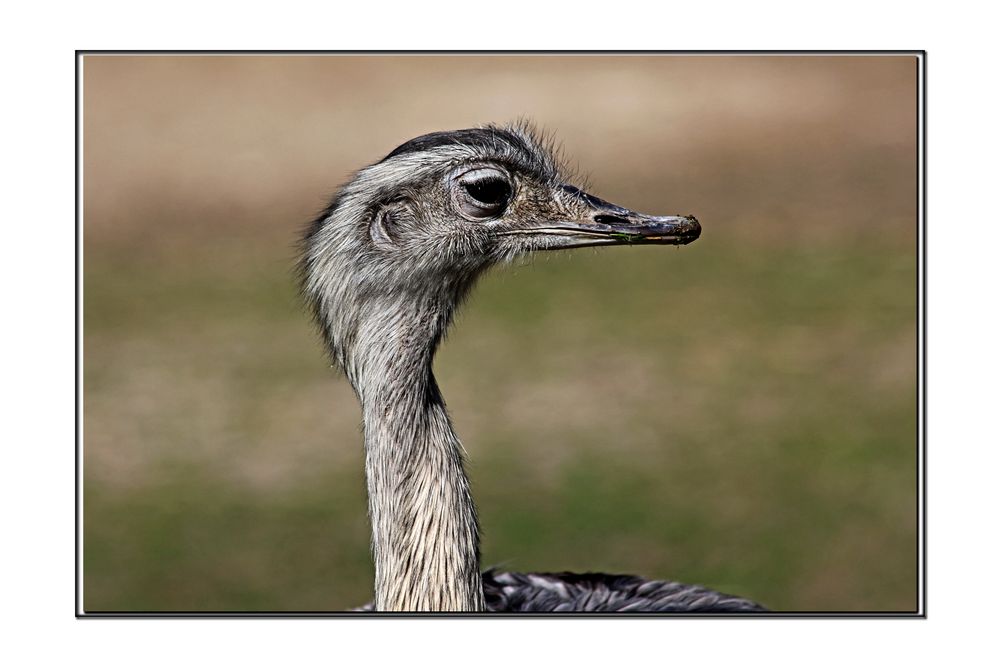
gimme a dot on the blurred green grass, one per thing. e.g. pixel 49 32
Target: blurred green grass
pixel 736 414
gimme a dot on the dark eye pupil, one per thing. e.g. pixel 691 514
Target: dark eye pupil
pixel 491 191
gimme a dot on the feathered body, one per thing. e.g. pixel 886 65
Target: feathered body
pixel 385 267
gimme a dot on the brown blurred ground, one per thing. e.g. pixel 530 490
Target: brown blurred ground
pixel 754 423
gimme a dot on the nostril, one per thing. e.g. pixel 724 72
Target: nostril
pixel 610 220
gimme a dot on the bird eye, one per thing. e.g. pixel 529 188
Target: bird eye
pixel 490 191
pixel 483 193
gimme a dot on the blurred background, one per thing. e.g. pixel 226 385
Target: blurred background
pixel 739 413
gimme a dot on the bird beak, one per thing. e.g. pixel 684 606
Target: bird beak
pixel 597 222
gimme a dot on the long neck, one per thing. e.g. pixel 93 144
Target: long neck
pixel 425 535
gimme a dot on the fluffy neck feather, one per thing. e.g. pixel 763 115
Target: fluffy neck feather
pixel 425 537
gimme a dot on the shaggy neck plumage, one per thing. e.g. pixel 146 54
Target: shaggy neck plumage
pixel 425 537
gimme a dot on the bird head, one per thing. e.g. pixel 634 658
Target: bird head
pixel 416 228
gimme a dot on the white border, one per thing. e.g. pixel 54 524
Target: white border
pixel 921 342
pixel 37 426
pixel 79 338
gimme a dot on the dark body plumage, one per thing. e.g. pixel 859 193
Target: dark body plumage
pixel 597 592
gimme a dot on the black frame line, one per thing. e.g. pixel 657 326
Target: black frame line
pixel 921 356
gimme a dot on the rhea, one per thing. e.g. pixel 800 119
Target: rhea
pixel 384 268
